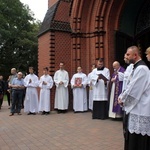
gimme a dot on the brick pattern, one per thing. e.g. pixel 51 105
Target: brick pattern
pixel 43 53
pixel 112 26
pixel 51 3
pixel 63 12
pixel 92 25
pixel 60 26
pixel 58 132
pixel 62 53
pixel 62 50
pixel 87 32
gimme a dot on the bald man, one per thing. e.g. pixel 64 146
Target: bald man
pixel 115 111
pixel 136 102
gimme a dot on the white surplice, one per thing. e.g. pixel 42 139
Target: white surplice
pixel 100 90
pixel 61 94
pixel 31 97
pixel 127 75
pixel 44 101
pixel 79 94
pixel 90 91
pixel 136 100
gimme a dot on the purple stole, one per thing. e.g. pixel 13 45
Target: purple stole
pixel 118 89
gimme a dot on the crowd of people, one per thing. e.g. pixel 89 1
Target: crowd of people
pixel 124 94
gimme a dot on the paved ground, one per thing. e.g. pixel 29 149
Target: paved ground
pixel 58 132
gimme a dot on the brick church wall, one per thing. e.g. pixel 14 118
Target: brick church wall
pixel 43 55
pixel 51 3
pixel 92 37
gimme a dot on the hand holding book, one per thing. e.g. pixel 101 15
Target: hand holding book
pixel 101 76
pixel 78 82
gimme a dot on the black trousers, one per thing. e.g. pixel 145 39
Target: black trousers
pixel 16 101
pixel 125 130
pixel 100 110
pixel 8 97
pixel 138 142
pixel 1 100
pixel 134 141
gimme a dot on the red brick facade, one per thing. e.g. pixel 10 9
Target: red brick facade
pixel 51 3
pixel 80 31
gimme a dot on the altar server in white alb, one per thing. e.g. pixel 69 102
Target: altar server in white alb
pixel 91 88
pixel 78 84
pixel 61 79
pixel 100 80
pixel 31 98
pixel 45 84
pixel 136 101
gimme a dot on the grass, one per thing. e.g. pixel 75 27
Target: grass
pixel 5 98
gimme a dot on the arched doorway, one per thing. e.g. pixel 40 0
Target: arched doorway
pixel 143 41
pixel 134 28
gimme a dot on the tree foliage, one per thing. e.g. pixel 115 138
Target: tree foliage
pixel 18 37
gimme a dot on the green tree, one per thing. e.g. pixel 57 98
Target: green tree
pixel 18 37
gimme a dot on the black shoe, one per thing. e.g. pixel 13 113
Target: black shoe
pixel 64 111
pixel 29 113
pixel 33 113
pixel 59 111
pixel 47 113
pixel 19 114
pixel 43 113
pixel 11 114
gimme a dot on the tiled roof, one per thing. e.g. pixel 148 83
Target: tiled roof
pixel 60 26
pixel 50 24
pixel 48 19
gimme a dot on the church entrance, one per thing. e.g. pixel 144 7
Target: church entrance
pixel 134 29
pixel 123 41
pixel 143 41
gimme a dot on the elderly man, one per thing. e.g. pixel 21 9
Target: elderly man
pixel 17 86
pixel 115 111
pixel 11 77
pixel 136 101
